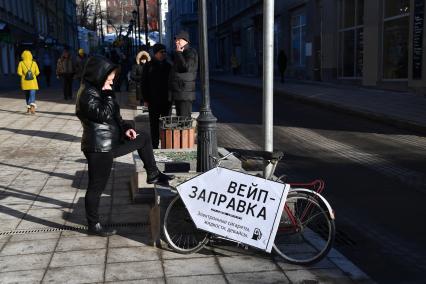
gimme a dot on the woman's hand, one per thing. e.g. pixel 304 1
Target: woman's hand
pixel 131 134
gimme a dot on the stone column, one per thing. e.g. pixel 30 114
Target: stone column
pixel 330 43
pixel 419 84
pixel 372 42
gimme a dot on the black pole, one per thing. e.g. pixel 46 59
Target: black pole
pixel 206 121
pixel 135 38
pixel 139 29
pixel 145 12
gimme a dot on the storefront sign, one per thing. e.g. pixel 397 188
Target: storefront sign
pixel 419 19
pixel 235 205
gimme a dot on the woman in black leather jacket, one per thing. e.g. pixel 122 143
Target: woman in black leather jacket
pixel 106 136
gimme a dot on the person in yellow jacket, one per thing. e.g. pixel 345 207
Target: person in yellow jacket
pixel 28 70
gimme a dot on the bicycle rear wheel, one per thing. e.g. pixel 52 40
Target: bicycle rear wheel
pixel 180 231
pixel 306 231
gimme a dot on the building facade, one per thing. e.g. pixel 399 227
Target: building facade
pixel 39 25
pixel 377 43
pixel 182 15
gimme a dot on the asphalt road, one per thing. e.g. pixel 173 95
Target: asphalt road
pixel 374 174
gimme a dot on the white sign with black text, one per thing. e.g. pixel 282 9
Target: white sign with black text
pixel 238 206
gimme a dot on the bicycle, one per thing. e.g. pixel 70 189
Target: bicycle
pixel 306 230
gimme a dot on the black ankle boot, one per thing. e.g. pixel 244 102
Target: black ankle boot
pixel 97 229
pixel 159 178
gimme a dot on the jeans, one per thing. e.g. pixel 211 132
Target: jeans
pixel 30 96
pixel 99 169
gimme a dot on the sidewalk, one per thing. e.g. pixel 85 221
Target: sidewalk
pixel 43 177
pixel 403 109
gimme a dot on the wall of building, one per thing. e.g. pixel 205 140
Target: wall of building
pixel 40 26
pixel 364 42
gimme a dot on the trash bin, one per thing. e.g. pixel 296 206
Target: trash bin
pixel 177 132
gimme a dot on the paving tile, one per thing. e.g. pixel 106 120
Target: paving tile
pixel 205 279
pixel 58 195
pixel 132 254
pixel 133 270
pixel 319 275
pixel 191 266
pixel 48 213
pixel 127 240
pixel 323 264
pixel 129 218
pixel 258 277
pixel 9 224
pixel 35 236
pixel 28 247
pixel 168 254
pixel 141 281
pixel 27 276
pixel 81 243
pixel 75 258
pixel 24 262
pixel 75 274
pixel 246 264
pixel 12 214
pixel 31 222
pixel 45 204
pixel 231 250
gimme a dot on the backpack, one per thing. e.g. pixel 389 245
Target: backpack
pixel 29 75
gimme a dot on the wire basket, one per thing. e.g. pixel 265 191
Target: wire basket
pixel 176 122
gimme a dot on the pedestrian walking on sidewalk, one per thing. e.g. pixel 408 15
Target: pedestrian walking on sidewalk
pixel 282 64
pixel 234 64
pixel 183 75
pixel 106 136
pixel 65 69
pixel 28 70
pixel 47 67
pixel 155 90
pixel 142 58
pixel 80 61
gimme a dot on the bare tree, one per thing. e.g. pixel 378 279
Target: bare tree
pixel 85 13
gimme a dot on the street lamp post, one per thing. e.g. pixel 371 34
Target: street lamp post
pixel 268 77
pixel 206 122
pixel 132 35
pixel 134 16
pixel 160 20
pixel 145 15
pixel 138 3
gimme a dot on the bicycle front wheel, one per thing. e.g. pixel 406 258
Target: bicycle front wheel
pixel 306 231
pixel 180 231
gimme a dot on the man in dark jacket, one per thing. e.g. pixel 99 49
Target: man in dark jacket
pixel 183 75
pixel 282 64
pixel 106 136
pixel 155 90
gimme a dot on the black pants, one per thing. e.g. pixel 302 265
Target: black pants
pixel 99 169
pixel 183 108
pixel 154 115
pixel 67 85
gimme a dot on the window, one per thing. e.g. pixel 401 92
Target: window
pixel 351 38
pixel 298 33
pixel 395 39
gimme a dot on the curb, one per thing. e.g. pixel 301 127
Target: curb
pixel 383 118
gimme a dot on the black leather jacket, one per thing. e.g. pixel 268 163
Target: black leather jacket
pixel 98 111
